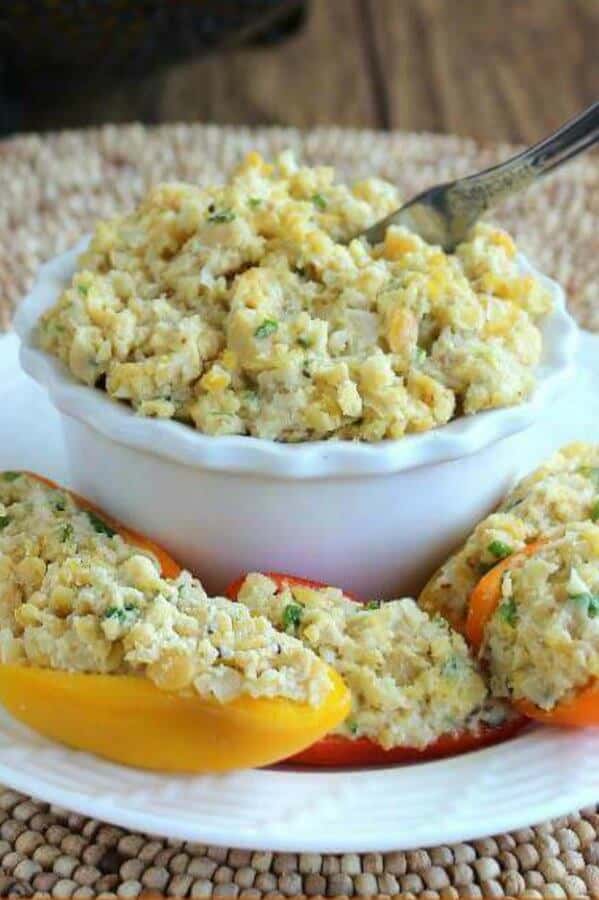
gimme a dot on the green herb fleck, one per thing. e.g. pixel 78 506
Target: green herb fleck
pixel 595 511
pixel 590 472
pixel 593 607
pixel 4 521
pixel 224 215
pixel 268 327
pixel 221 414
pixel 508 612
pixel 394 284
pixel 304 342
pixel 99 524
pixel 452 666
pixel 319 201
pixel 59 503
pixel 66 532
pixel 254 202
pixel 589 603
pixel 83 289
pixel 122 614
pixel 10 476
pixel 419 355
pixel 352 726
pixel 499 550
pixel 292 616
pixel 373 604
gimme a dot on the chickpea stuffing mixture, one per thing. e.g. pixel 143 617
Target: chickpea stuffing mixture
pixel 542 643
pixel 411 677
pixel 242 309
pixel 75 596
pixel 563 490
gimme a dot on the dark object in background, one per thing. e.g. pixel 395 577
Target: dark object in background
pixel 85 45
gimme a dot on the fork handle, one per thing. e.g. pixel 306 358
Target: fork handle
pixel 568 141
pixel 512 175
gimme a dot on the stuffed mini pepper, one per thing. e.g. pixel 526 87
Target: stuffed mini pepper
pixel 416 689
pixel 535 620
pixel 101 650
pixel 563 490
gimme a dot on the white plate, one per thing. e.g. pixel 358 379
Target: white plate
pixel 540 774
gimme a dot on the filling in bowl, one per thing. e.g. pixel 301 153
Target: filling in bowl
pixel 243 309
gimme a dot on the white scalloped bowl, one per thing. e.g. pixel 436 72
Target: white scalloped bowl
pixel 375 519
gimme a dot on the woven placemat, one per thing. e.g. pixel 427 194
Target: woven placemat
pixel 61 854
pixel 52 190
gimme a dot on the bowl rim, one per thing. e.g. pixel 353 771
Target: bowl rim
pixel 179 443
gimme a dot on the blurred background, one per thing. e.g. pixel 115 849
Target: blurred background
pixel 491 69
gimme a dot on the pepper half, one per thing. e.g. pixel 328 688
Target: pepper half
pixel 129 720
pixel 582 710
pixel 338 751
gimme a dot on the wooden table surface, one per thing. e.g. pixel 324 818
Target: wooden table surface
pixel 492 69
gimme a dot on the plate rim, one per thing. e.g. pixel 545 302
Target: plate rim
pixel 281 839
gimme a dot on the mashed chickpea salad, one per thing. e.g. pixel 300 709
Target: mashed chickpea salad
pixel 411 676
pixel 542 642
pixel 76 596
pixel 564 490
pixel 250 309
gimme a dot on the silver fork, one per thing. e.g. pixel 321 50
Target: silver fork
pixel 443 214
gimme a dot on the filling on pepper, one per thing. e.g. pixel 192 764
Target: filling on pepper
pixel 75 596
pixel 411 677
pixel 563 490
pixel 542 642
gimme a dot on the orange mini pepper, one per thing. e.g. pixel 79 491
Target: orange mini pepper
pixel 582 710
